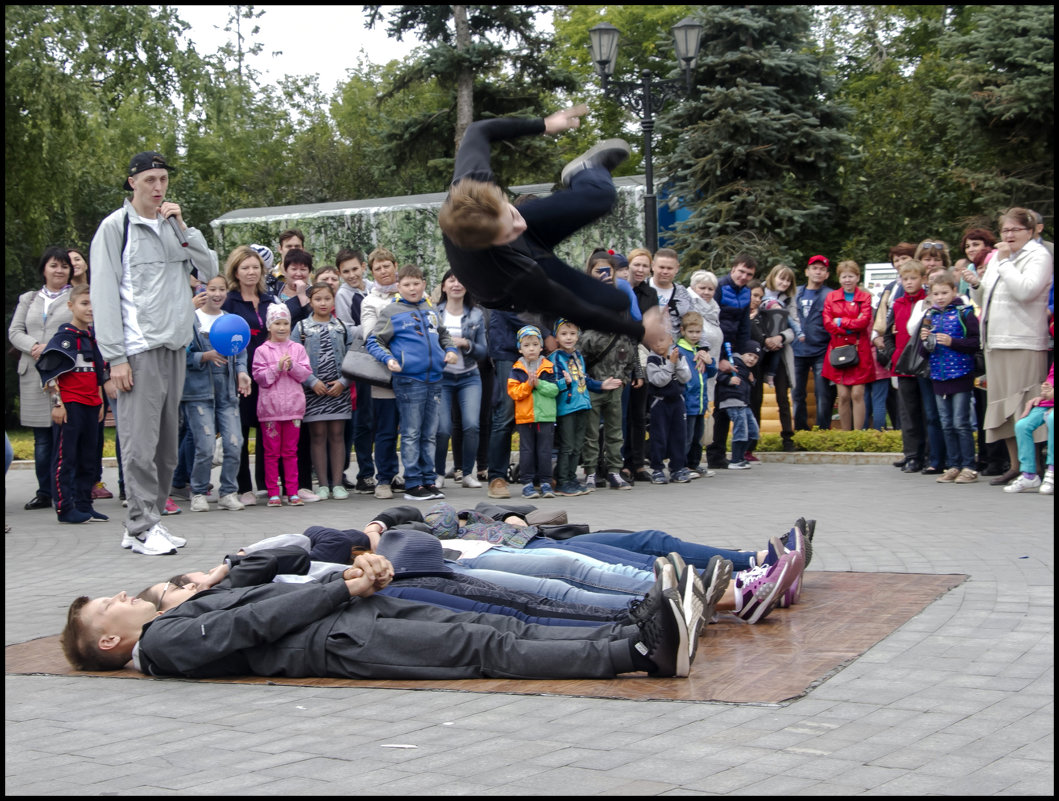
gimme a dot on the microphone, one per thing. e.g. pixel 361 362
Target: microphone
pixel 178 231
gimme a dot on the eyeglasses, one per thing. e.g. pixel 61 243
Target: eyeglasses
pixel 1012 230
pixel 932 246
pixel 165 589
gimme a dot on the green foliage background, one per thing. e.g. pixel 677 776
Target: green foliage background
pixel 906 122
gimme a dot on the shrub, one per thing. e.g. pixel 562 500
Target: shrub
pixel 869 441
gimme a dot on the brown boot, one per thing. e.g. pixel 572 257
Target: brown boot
pixel 498 489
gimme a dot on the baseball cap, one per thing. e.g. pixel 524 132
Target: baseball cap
pixel 818 258
pixel 148 160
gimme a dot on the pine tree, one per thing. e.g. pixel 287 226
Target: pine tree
pixel 755 152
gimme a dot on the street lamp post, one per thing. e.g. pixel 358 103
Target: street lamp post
pixel 645 98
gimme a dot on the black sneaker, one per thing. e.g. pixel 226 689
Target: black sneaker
pixel 397 482
pixel 664 636
pixel 643 609
pixel 608 154
pixel 365 486
pixel 419 493
pixel 348 485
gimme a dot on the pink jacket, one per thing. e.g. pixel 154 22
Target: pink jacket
pixel 281 396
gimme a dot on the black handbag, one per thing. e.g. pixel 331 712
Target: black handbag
pixel 913 361
pixel 844 356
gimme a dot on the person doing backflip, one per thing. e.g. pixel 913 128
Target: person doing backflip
pixel 504 256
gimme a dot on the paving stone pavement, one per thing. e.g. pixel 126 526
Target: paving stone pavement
pixel 958 701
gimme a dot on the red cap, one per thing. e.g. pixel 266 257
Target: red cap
pixel 818 258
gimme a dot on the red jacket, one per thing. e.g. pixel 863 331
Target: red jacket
pixel 855 329
pixel 902 310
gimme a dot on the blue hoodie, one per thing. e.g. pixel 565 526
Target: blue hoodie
pixel 412 334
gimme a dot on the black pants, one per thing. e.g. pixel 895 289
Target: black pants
pixel 636 429
pixel 75 457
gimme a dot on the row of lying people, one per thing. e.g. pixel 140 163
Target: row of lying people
pixel 471 594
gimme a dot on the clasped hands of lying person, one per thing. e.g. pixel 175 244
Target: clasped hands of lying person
pixel 368 573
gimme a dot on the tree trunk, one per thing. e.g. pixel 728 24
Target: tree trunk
pixel 465 80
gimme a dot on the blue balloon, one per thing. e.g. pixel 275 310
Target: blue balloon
pixel 229 335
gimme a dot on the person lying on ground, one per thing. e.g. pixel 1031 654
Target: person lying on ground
pixel 342 628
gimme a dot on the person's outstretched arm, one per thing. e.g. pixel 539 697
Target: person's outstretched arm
pixel 472 159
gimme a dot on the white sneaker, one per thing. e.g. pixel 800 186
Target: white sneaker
pixel 308 496
pixel 470 482
pixel 439 482
pixel 179 542
pixel 151 543
pixel 231 503
pixel 1048 485
pixel 199 503
pixel 248 499
pixel 1023 484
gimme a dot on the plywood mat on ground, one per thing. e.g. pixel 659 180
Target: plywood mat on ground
pixel 841 615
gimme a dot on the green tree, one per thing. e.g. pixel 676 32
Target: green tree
pixel 757 154
pixel 86 87
pixel 500 49
pixel 998 107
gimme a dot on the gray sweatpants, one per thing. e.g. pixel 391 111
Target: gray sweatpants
pixel 148 418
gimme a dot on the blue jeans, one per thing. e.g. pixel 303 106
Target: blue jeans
pixel 466 389
pixel 205 419
pixel 744 430
pixel 1024 429
pixel 185 453
pixel 417 404
pixel 957 425
pixel 657 543
pixel 385 413
pixel 578 570
pixel 875 396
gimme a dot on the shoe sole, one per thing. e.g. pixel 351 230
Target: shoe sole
pixel 693 605
pixel 793 593
pixel 682 667
pixel 717 577
pixel 577 164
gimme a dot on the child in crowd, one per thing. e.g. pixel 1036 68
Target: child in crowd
pixel 696 393
pixel 613 360
pixel 667 375
pixel 1039 411
pixel 950 334
pixel 328 405
pixel 573 405
pixel 213 383
pixel 781 313
pixel 72 370
pixel 893 338
pixel 410 340
pixel 350 293
pixel 280 367
pixel 532 386
pixel 733 395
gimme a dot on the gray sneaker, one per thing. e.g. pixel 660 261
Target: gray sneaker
pixel 383 492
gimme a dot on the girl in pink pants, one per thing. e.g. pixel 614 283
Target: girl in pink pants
pixel 280 366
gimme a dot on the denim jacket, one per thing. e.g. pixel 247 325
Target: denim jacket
pixel 307 332
pixel 202 380
pixel 472 328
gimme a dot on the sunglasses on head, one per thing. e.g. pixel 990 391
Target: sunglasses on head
pixel 932 246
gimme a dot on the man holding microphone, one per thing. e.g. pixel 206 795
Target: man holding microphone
pixel 142 256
